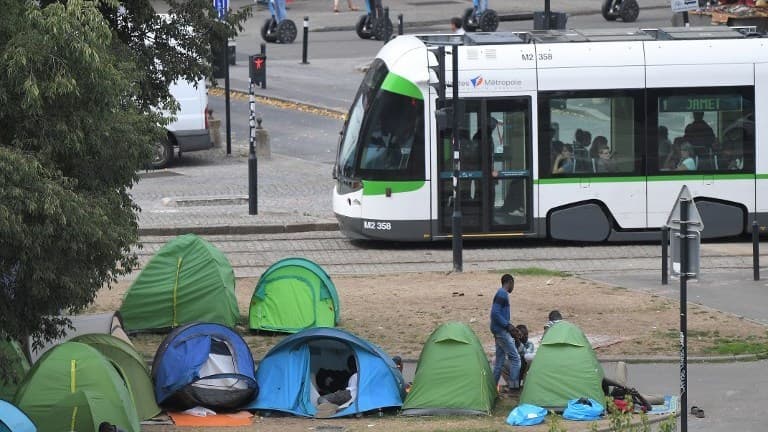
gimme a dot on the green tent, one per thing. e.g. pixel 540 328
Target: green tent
pixel 453 375
pixel 565 368
pixel 132 368
pixel 74 384
pixel 292 295
pixel 18 366
pixel 187 280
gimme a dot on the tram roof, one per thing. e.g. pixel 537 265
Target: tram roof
pixel 592 35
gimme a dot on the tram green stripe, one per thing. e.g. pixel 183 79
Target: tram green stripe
pixel 658 178
pixel 374 187
pixel 396 84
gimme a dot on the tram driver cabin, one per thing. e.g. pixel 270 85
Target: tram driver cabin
pixel 569 135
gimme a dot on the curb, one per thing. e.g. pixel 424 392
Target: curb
pixel 239 229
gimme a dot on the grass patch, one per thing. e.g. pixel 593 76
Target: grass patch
pixel 536 271
pixel 736 347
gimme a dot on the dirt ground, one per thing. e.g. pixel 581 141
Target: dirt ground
pixel 398 312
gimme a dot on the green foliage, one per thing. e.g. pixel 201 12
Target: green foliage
pixel 736 347
pixel 536 271
pixel 555 423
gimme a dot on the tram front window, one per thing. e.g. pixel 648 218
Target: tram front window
pixel 391 135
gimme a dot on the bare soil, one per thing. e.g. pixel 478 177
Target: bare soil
pixel 398 312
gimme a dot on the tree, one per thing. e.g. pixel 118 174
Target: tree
pixel 80 80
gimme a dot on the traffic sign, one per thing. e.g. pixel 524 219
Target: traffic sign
pixel 684 5
pixel 694 218
pixel 222 6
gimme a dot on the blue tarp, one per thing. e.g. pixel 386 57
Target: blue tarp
pixel 284 375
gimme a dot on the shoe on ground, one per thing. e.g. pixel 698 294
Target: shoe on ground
pixel 326 410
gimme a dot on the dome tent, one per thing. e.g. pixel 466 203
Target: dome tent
pixel 74 381
pixel 187 280
pixel 287 373
pixel 453 375
pixel 204 364
pixel 294 294
pixel 13 419
pixel 565 368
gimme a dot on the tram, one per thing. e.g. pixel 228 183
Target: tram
pixel 581 135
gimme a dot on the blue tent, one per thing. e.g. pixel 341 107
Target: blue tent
pixel 286 375
pixel 13 419
pixel 204 364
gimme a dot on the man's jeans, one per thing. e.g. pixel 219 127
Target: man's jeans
pixel 506 350
pixel 482 5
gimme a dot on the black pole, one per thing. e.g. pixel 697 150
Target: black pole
pixel 226 97
pixel 253 165
pixel 399 24
pixel 755 250
pixel 305 42
pixel 456 220
pixel 664 254
pixel 683 313
pixel 387 27
pixel 547 16
pixel 264 53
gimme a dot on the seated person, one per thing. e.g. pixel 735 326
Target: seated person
pixel 553 317
pixel 525 348
pixel 398 361
pixel 343 396
pixel 602 158
pixel 687 161
pixel 564 162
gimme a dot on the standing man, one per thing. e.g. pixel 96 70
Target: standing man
pixel 502 329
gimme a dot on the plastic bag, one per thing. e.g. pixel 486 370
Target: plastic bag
pixel 583 409
pixel 526 415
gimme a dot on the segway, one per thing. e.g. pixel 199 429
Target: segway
pixel 374 24
pixel 485 20
pixel 278 28
pixel 627 10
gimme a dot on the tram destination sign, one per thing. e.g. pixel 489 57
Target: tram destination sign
pixel 724 102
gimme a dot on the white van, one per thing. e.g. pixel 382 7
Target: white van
pixel 189 132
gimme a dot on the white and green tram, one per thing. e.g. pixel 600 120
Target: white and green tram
pixel 569 135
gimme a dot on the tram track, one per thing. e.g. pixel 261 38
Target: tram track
pixel 250 255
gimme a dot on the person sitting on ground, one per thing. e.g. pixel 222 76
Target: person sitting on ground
pixel 398 361
pixel 553 318
pixel 340 397
pixel 525 348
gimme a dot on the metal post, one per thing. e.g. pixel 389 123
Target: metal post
pixel 755 250
pixel 664 254
pixel 305 42
pixel 399 24
pixel 684 203
pixel 252 159
pixel 547 16
pixel 226 97
pixel 387 29
pixel 456 219
pixel 264 53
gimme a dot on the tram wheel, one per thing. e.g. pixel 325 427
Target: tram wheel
pixel 286 32
pixel 362 28
pixel 489 20
pixel 629 10
pixel 607 10
pixel 468 20
pixel 382 28
pixel 268 30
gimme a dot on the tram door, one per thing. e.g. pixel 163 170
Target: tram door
pixel 495 175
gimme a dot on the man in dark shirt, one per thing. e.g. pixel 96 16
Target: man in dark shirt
pixel 502 327
pixel 699 134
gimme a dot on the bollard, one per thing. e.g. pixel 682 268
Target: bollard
pixel 264 149
pixel 214 129
pixel 399 24
pixel 305 42
pixel 387 28
pixel 755 250
pixel 664 254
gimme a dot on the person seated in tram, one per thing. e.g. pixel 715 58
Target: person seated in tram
pixel 687 158
pixel 564 162
pixel 602 161
pixel 672 159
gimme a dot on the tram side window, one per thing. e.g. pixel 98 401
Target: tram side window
pixel 393 142
pixel 585 133
pixel 703 130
